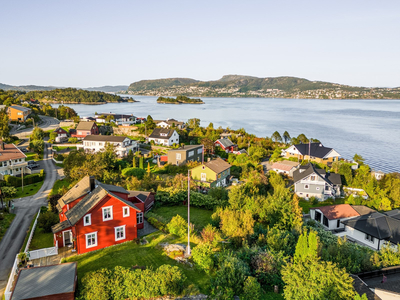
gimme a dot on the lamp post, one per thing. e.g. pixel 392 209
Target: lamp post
pixel 188 252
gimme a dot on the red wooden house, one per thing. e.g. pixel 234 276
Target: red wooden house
pixel 95 215
pixel 226 145
pixel 85 128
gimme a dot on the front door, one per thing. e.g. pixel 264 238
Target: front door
pixel 67 238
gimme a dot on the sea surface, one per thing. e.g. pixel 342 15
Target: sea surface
pixel 370 128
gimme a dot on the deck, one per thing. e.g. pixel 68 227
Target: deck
pixel 63 252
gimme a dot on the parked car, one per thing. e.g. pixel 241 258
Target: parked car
pixel 32 164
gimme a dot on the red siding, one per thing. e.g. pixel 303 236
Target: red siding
pixel 105 229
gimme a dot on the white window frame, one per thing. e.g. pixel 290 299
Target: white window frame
pixel 203 176
pixel 123 211
pixel 139 216
pixel 111 213
pixel 124 232
pixel 90 220
pixel 191 153
pixel 178 156
pixel 86 239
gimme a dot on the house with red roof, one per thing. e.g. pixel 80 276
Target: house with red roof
pixel 94 215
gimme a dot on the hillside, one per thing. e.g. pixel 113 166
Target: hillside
pixel 108 88
pixel 269 87
pixel 26 88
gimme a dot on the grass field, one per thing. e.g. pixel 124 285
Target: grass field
pixel 58 184
pixel 131 254
pixel 31 156
pixel 41 239
pixel 306 205
pixel 198 216
pixel 29 190
pixel 5 223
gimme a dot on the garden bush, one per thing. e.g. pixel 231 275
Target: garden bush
pixel 178 226
pixel 28 179
pixel 202 256
pixel 251 289
pixel 122 283
pixel 47 219
pixel 137 172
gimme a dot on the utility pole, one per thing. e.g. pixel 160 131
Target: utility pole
pixel 188 253
pixel 22 170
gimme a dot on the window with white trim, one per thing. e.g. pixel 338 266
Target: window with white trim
pixel 369 238
pixel 107 213
pixel 139 218
pixel 203 176
pixel 191 153
pixel 178 156
pixel 87 220
pixel 125 211
pixel 91 239
pixel 119 233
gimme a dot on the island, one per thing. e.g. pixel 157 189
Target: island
pixel 179 100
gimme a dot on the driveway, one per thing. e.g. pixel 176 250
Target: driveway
pixel 25 209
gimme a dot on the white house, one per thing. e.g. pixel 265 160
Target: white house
pixel 331 216
pixel 312 151
pixel 286 167
pixel 374 230
pixel 311 182
pixel 119 119
pixel 168 123
pixel 166 137
pixel 96 143
pixel 12 161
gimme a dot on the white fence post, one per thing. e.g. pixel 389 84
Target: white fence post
pixel 31 234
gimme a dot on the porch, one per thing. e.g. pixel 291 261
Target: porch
pixel 63 252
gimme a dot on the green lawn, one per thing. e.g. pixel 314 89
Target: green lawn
pixel 198 216
pixel 60 165
pixel 131 254
pixel 5 223
pixel 29 190
pixel 30 156
pixel 58 184
pixel 306 205
pixel 41 239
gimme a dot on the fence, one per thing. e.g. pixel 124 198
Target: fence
pixel 31 255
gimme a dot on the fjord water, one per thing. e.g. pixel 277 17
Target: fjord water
pixel 370 128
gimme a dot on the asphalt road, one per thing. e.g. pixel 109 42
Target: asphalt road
pixel 47 123
pixel 25 209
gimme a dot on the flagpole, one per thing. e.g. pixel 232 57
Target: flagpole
pixel 188 245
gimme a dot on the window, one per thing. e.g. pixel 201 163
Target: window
pixel 369 238
pixel 325 221
pixel 91 239
pixel 107 213
pixel 203 176
pixel 87 220
pixel 178 156
pixel 312 178
pixel 119 233
pixel 199 151
pixel 317 216
pixel 306 186
pixel 326 187
pixel 20 113
pixel 139 218
pixel 191 153
pixel 338 224
pixel 125 211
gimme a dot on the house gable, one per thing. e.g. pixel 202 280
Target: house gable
pixel 332 153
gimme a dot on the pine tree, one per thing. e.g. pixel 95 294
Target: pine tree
pixel 134 162
pixel 141 162
pixel 148 167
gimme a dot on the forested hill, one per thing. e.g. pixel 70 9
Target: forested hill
pixel 108 88
pixel 249 86
pixel 25 88
pixel 70 95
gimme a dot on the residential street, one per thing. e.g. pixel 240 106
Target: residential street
pixel 46 124
pixel 25 209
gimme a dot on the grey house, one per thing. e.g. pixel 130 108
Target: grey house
pixel 185 154
pixel 311 182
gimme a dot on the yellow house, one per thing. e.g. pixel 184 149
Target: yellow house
pixel 18 113
pixel 214 173
pixel 313 152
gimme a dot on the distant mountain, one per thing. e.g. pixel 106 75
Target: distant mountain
pixel 250 86
pixel 108 88
pixel 26 88
pixel 159 83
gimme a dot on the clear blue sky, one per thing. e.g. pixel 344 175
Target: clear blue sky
pixel 93 43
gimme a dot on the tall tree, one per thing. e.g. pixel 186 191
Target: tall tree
pixel 286 137
pixel 4 128
pixel 276 137
pixel 193 123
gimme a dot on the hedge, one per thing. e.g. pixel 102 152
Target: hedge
pixel 28 179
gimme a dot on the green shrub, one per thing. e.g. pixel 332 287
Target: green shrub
pixel 96 285
pixel 73 140
pixel 36 146
pixel 251 289
pixel 157 221
pixel 137 172
pixel 47 219
pixel 28 179
pixel 202 256
pixel 178 226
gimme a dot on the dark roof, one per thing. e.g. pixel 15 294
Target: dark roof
pixel 316 149
pixel 85 125
pixel 307 170
pixel 395 213
pixel 20 108
pixel 377 225
pixel 338 211
pixel 139 194
pixel 113 188
pixel 116 116
pixel 77 191
pixel 361 288
pixel 60 226
pixel 390 285
pixel 242 151
pixel 363 210
pixel 218 165
pixel 105 138
pixel 187 148
pixel 44 281
pixel 90 201
pixel 225 142
pixel 157 133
